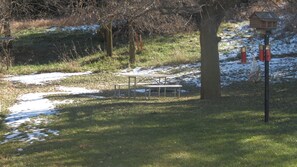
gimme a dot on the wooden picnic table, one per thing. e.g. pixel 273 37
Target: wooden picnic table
pixel 132 80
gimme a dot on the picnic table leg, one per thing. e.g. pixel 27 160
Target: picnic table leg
pixel 164 91
pixel 134 87
pixel 149 96
pixel 119 91
pixel 178 92
pixel 115 90
pixel 175 90
pixel 159 92
pixel 129 87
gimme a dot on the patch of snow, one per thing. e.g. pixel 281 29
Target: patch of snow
pixel 139 90
pixel 41 79
pixel 13 135
pixel 231 69
pixel 30 108
pixel 76 90
pixel 96 97
pixel 241 35
pixel 89 28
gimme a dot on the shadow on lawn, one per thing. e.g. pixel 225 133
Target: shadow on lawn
pixel 42 48
pixel 185 132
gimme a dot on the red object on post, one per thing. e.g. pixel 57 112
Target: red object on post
pixel 261 53
pixel 268 53
pixel 243 55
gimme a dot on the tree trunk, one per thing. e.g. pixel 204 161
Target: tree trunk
pixel 109 41
pixel 210 65
pixel 7 43
pixel 132 48
pixel 6 9
pixel 6 28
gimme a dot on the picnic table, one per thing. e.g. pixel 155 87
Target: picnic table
pixel 135 80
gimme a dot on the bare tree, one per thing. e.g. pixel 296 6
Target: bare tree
pixel 132 11
pixel 137 15
pixel 208 15
pixel 115 12
pixel 99 11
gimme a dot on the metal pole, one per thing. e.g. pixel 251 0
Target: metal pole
pixel 266 100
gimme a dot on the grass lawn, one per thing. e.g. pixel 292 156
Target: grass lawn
pixel 167 131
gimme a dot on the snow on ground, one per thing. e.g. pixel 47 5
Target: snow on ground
pixel 41 79
pixel 242 35
pixel 231 69
pixel 91 28
pixel 31 109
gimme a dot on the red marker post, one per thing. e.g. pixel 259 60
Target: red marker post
pixel 243 55
pixel 268 53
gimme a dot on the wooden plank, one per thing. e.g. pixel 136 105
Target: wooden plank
pixel 163 86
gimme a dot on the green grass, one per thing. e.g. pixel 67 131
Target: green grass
pixel 149 133
pixel 71 66
pixel 36 50
pixel 170 50
pixel 166 131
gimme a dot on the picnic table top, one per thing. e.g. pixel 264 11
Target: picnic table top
pixel 164 86
pixel 147 75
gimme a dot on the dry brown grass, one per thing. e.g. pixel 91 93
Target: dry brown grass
pixel 69 21
pixel 19 25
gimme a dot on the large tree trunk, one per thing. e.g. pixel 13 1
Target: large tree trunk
pixel 132 49
pixel 210 65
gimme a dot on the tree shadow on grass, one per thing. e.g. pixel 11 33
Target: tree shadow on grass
pixel 43 48
pixel 186 132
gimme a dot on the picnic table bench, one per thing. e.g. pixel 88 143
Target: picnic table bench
pixel 117 87
pixel 176 88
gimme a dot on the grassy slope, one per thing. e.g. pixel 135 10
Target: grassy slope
pixel 37 50
pixel 159 132
pixel 168 131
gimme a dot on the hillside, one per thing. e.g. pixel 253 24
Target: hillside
pixel 50 117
